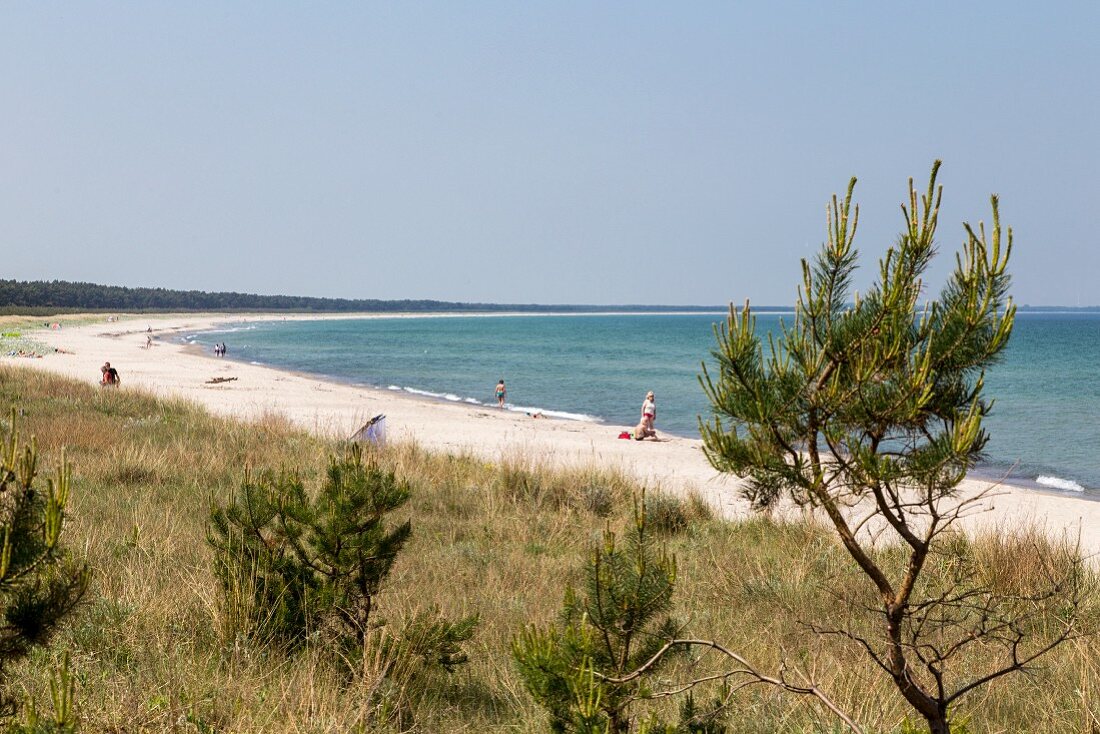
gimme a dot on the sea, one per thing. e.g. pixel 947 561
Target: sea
pixel 1044 428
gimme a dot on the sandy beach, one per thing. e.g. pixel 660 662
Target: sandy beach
pixel 169 368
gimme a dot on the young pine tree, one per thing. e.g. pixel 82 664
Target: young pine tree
pixel 869 409
pixel 311 564
pixel 298 566
pixel 616 625
pixel 40 584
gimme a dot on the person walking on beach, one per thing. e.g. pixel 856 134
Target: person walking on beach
pixel 501 393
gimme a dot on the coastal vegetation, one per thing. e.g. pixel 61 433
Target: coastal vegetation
pixel 156 647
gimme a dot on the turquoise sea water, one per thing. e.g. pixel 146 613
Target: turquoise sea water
pixel 1047 389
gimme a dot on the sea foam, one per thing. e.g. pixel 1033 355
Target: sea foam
pixel 231 329
pixel 452 398
pixel 1058 483
pixel 561 414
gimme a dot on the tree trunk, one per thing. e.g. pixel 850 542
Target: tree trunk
pixel 938 724
pixel 932 709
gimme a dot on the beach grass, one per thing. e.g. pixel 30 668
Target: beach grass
pixel 157 647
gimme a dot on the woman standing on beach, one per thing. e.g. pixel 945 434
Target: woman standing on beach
pixel 649 414
pixel 501 393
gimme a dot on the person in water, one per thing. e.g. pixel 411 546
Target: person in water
pixel 501 393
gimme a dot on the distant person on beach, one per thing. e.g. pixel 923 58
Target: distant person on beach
pixel 501 393
pixel 110 375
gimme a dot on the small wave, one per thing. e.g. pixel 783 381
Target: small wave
pixel 563 415
pixel 1058 483
pixel 452 398
pixel 230 329
pixel 259 364
pixel 448 396
pixel 425 393
pixel 396 388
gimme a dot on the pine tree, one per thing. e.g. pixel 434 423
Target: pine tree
pixel 869 409
pixel 40 584
pixel 614 626
pixel 300 566
pixel 311 564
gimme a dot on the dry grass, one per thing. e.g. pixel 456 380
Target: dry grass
pixel 154 647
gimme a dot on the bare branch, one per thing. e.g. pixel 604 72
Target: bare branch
pixel 746 669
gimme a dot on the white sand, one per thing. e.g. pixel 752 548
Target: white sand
pixel 336 410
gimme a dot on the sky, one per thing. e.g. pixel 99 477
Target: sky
pixel 513 152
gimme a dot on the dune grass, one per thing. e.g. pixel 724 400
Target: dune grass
pixel 156 647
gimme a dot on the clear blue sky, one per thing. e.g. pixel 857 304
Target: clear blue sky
pixel 564 152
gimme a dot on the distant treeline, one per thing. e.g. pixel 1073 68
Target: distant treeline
pixel 40 297
pixel 1058 309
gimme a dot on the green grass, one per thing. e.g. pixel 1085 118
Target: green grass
pixel 154 647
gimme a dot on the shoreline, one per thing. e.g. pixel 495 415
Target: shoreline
pixel 984 473
pixel 336 409
pixel 174 369
pixel 1033 478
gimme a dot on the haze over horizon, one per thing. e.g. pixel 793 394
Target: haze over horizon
pixel 621 153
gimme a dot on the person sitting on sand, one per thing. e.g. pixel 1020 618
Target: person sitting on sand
pixel 501 393
pixel 110 375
